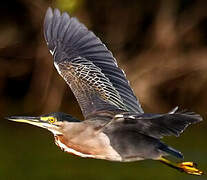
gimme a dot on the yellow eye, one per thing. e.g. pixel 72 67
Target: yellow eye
pixel 49 119
pixel 52 119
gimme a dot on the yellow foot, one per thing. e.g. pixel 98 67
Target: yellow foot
pixel 190 168
pixel 187 167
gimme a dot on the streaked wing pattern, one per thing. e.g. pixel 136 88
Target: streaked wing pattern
pixel 89 85
pixel 68 40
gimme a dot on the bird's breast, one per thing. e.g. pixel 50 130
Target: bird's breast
pixel 97 146
pixel 70 148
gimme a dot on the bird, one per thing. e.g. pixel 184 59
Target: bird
pixel 115 127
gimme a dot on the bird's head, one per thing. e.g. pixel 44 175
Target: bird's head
pixel 52 122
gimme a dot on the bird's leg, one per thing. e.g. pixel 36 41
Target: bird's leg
pixel 187 167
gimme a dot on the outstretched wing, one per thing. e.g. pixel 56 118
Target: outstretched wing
pixel 87 66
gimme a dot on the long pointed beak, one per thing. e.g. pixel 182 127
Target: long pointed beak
pixel 36 121
pixel 26 119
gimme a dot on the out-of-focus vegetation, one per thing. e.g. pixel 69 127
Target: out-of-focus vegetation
pixel 161 45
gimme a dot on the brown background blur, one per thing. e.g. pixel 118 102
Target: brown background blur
pixel 161 45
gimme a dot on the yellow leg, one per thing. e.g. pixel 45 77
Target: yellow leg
pixel 187 167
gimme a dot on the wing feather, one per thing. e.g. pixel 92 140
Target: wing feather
pixel 159 125
pixel 68 39
pixel 91 87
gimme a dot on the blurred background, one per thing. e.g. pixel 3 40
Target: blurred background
pixel 161 45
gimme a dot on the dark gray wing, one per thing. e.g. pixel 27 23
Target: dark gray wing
pixel 159 125
pixel 87 65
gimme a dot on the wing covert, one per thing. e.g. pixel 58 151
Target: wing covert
pixel 68 39
pixel 92 88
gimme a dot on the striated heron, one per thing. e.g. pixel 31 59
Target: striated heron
pixel 115 126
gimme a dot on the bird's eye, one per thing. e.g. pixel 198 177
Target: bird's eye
pixel 51 120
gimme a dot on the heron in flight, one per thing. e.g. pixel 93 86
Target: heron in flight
pixel 115 127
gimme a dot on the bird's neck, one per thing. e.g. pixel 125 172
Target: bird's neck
pixel 73 137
